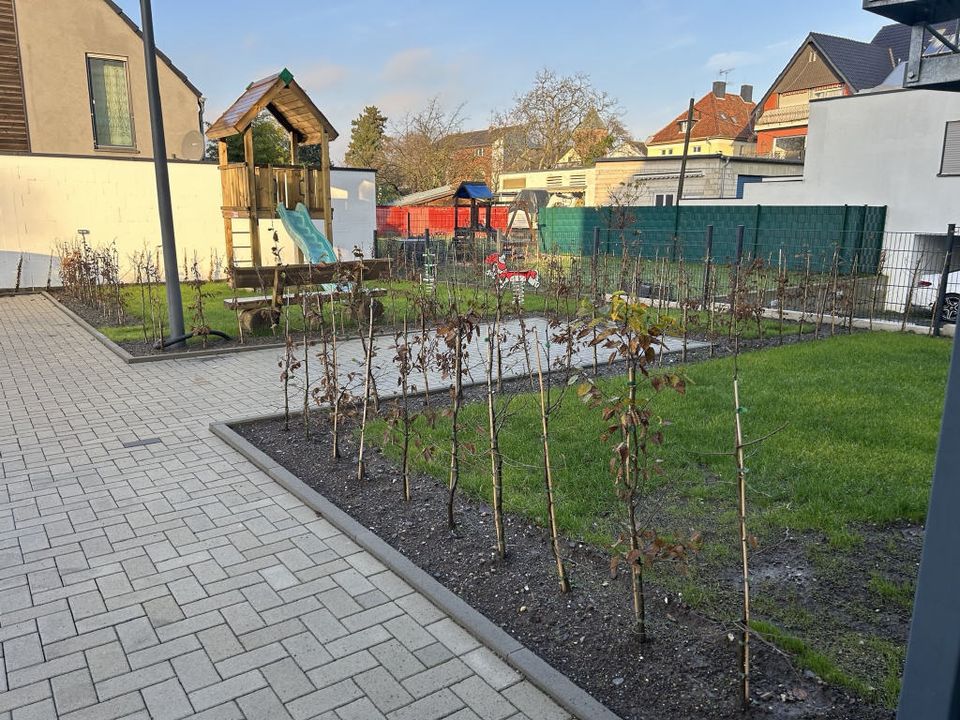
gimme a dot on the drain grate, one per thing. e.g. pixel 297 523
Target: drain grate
pixel 141 443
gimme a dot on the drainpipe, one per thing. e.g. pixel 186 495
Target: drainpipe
pixel 202 102
pixel 724 164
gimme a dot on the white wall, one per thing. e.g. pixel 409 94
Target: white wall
pixel 44 200
pixel 877 149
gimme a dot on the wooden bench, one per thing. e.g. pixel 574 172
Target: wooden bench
pixel 254 302
pixel 262 310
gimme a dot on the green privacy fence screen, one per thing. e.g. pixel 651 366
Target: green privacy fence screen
pixel 792 235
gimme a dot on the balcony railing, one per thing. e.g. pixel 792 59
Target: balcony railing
pixel 274 184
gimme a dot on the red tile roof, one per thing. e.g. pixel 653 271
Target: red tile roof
pixel 727 117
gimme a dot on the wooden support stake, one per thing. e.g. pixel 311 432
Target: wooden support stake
pixel 252 196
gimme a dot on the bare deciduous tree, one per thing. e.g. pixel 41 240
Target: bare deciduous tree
pixel 545 119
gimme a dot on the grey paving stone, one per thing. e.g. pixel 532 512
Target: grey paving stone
pixel 43 710
pixel 491 668
pixel 385 692
pixel 167 701
pixel 454 637
pixel 87 604
pixel 263 704
pixel 107 661
pixel 220 642
pixel 337 670
pixel 432 707
pixel 320 701
pixel 242 618
pixel 115 584
pixel 136 634
pixel 73 690
pixel 306 651
pixel 435 678
pixel 164 651
pixel 287 679
pixel 483 699
pixel 361 709
pixel 134 680
pixel 23 696
pixel 110 709
pixel 56 626
pixel 250 660
pixel 227 690
pixel 45 670
pixel 195 670
pixel 532 703
pixel 163 611
pixel 324 625
pixel 23 651
pixel 399 661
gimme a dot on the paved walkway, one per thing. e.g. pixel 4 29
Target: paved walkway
pixel 148 571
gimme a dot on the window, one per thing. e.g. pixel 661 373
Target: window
pixel 665 200
pixel 480 152
pixel 950 164
pixel 789 148
pixel 110 106
pixel 697 148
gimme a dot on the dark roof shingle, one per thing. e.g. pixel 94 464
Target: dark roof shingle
pixel 862 65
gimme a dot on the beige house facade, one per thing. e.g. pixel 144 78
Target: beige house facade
pixel 74 83
pixel 654 180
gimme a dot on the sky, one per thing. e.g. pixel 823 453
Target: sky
pixel 651 55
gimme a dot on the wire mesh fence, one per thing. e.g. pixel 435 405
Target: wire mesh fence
pixel 872 277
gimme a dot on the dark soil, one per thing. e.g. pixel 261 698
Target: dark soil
pixel 689 668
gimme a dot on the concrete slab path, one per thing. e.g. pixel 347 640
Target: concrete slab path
pixel 149 571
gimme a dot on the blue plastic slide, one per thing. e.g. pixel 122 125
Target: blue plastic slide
pixel 298 223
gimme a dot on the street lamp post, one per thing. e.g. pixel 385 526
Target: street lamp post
pixel 174 302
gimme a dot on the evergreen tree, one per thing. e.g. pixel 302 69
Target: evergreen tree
pixel 271 146
pixel 367 139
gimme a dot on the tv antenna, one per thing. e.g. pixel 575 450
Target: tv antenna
pixel 725 73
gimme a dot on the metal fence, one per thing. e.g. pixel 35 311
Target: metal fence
pixel 881 276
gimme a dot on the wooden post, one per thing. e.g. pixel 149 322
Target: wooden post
pixel 227 221
pixel 325 174
pixel 294 151
pixel 252 196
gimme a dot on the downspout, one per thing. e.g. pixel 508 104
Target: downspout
pixel 201 102
pixel 724 164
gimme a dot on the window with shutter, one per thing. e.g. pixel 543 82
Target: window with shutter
pixel 950 164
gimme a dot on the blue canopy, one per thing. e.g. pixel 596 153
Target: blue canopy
pixel 473 191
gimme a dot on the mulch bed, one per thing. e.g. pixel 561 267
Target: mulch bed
pixel 688 670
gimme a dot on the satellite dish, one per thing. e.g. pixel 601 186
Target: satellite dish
pixel 191 148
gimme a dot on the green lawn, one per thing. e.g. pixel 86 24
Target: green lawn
pixel 399 300
pixel 861 415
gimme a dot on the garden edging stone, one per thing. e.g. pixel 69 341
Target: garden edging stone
pixel 549 680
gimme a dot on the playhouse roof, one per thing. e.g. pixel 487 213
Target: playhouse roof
pixel 283 98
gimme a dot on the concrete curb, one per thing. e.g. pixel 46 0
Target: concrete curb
pixel 553 683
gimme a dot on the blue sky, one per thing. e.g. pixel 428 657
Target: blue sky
pixel 652 55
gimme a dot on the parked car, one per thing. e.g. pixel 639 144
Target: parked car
pixel 925 294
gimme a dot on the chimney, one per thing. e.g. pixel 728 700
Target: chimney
pixel 746 92
pixel 720 89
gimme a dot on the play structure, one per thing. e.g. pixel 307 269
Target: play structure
pixel 295 194
pixel 477 197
